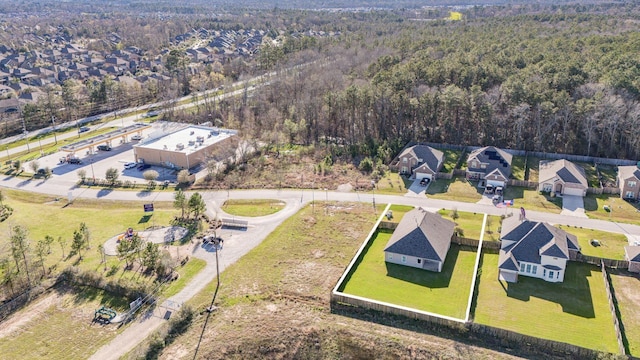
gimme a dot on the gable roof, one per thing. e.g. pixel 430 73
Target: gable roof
pixel 430 156
pixel 494 157
pixel 422 234
pixel 626 172
pixel 633 253
pixel 565 170
pixel 528 240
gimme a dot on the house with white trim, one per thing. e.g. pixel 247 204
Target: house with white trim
pixel 562 177
pixel 534 249
pixel 420 162
pixel 421 240
pixel 491 164
pixel 629 181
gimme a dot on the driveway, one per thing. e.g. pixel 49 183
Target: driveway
pixel 416 189
pixel 573 205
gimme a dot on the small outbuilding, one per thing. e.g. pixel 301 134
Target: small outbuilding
pixel 421 240
pixel 632 255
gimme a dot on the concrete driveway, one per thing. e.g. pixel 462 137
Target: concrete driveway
pixel 573 205
pixel 416 189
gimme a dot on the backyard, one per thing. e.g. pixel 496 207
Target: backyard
pixel 450 160
pixel 626 285
pixel 575 311
pixel 444 293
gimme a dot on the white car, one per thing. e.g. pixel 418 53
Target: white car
pixel 130 165
pixel 136 137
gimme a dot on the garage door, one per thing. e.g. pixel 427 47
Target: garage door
pixel 495 183
pixel 572 191
pixel 421 176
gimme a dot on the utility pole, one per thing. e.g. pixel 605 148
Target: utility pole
pixel 53 121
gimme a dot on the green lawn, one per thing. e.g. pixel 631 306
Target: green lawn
pixel 261 207
pixel 518 167
pixel 627 293
pixel 533 169
pixel 575 311
pixel 532 200
pixel 608 173
pixel 187 272
pixel 612 244
pixel 444 293
pixel 398 212
pixel 470 223
pixel 63 330
pixel 450 160
pixel 458 189
pixel 591 173
pixel 622 211
pixel 392 183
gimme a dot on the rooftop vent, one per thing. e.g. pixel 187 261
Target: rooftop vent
pixel 180 146
pixel 191 142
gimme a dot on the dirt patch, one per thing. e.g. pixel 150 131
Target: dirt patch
pixel 22 318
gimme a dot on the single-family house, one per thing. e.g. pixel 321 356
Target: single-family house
pixel 534 249
pixel 562 177
pixel 420 162
pixel 491 164
pixel 629 181
pixel 632 255
pixel 421 240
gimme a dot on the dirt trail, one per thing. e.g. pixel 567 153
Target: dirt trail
pixel 16 321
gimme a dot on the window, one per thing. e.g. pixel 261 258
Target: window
pixel 629 195
pixel 550 274
pixel 547 187
pixel 474 164
pixel 419 261
pixel 528 268
pixel 632 183
pixel 521 268
pixel 404 160
pixel 483 166
pixel 544 272
pixel 390 256
pixel 405 169
pixel 404 259
pixel 534 269
pixel 558 275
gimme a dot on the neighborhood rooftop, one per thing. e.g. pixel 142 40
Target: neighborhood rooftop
pixel 189 139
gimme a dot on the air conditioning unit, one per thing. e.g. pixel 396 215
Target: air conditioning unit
pixel 191 142
pixel 180 146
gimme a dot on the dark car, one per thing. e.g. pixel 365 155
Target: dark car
pixel 74 161
pixel 104 147
pixel 143 167
pixel 83 129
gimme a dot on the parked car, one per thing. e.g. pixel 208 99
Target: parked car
pixel 104 147
pixel 75 161
pixel 130 165
pixel 136 137
pixel 424 181
pixel 496 199
pixel 83 129
pixel 143 166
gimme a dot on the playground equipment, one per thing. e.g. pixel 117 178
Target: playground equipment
pixel 127 235
pixel 104 313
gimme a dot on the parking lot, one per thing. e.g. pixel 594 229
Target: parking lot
pixel 97 163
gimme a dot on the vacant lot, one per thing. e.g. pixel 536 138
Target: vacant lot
pixel 393 183
pixel 458 189
pixel 575 311
pixel 469 223
pixel 274 302
pixel 627 292
pixel 444 293
pixel 60 326
pixel 611 244
pixel 621 210
pixel 261 207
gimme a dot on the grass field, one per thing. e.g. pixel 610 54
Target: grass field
pixel 612 244
pixel 458 189
pixel 470 223
pixel 621 210
pixel 532 200
pixel 626 292
pixel 608 173
pixel 450 160
pixel 518 168
pixel 444 293
pixel 261 207
pixel 398 212
pixel 533 169
pixel 591 173
pixel 62 329
pixel 575 311
pixel 187 272
pixel 393 183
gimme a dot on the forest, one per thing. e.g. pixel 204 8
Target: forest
pixel 554 78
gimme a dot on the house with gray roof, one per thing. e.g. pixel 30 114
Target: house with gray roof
pixel 420 162
pixel 632 255
pixel 629 181
pixel 421 240
pixel 534 249
pixel 562 177
pixel 491 164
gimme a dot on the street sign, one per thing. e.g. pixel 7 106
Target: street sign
pixel 148 207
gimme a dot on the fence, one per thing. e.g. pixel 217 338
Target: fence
pixel 612 308
pixel 486 245
pixel 523 183
pixel 447 176
pixel 594 260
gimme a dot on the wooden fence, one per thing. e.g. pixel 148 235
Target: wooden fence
pixel 523 183
pixel 447 176
pixel 604 190
pixel 594 260
pixel 612 308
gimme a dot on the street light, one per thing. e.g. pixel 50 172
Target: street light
pixel 53 120
pixel 373 188
pixel 92 173
pixel 27 137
